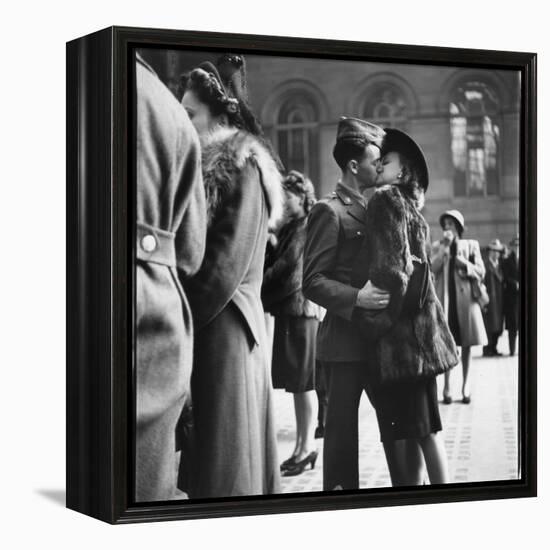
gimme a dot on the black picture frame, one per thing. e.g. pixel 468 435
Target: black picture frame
pixel 99 274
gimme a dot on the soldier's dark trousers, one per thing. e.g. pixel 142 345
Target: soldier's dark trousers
pixel 512 335
pixel 346 382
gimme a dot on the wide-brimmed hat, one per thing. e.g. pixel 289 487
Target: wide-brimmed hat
pixel 515 241
pixel 361 131
pixel 400 142
pixel 456 216
pixel 496 245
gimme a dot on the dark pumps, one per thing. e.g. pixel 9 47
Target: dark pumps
pixel 447 400
pixel 298 467
pixel 288 463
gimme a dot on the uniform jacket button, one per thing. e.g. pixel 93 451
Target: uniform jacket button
pixel 148 243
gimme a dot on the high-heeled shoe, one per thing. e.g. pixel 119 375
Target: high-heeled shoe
pixel 467 399
pixel 288 463
pixel 447 399
pixel 301 465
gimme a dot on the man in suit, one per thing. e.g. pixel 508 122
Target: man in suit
pixel 493 313
pixel 510 272
pixel 334 236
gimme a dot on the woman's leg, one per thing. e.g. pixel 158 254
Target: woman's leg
pixel 435 457
pixel 298 420
pixel 405 462
pixel 447 386
pixel 465 371
pixel 512 335
pixel 305 408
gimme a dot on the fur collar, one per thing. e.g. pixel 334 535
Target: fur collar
pixel 224 153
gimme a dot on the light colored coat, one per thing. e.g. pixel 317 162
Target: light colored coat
pixel 236 451
pixel 470 318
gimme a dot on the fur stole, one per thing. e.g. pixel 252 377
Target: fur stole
pixel 225 153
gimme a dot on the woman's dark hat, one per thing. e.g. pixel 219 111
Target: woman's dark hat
pixel 402 143
pixel 455 215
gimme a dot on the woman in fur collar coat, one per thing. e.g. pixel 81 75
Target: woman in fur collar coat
pixel 411 345
pixel 236 450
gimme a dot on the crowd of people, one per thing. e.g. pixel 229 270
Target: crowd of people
pixel 230 244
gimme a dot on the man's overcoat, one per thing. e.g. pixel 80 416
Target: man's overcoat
pixel 510 271
pixel 171 232
pixel 494 312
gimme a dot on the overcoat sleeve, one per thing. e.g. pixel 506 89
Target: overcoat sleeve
pixel 230 245
pixel 190 237
pixel 320 259
pixel 278 281
pixel 510 274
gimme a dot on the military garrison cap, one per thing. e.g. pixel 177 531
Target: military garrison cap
pixel 355 129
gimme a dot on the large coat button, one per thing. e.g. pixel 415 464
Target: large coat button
pixel 148 243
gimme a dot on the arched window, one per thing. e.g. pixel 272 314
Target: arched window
pixel 296 134
pixel 475 137
pixel 387 106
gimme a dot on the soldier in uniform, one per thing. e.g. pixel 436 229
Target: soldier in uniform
pixel 334 235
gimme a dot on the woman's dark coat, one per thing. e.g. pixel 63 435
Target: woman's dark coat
pixel 494 313
pixel 171 233
pixel 232 393
pixel 405 346
pixel 282 284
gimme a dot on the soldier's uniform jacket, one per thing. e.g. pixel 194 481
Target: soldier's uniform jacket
pixel 335 231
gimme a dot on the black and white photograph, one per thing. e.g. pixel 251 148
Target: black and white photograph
pixel 275 275
pixel 327 275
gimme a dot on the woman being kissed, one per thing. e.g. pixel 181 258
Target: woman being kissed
pixel 410 339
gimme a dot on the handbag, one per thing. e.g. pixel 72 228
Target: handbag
pixel 374 324
pixel 417 288
pixel 479 293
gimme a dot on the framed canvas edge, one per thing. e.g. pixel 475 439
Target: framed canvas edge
pixel 109 462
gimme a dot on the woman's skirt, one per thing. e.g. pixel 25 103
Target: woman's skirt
pixel 293 363
pixel 407 410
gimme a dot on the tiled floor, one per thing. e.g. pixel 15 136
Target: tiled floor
pixel 480 438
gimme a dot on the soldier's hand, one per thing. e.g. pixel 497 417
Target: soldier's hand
pixel 372 297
